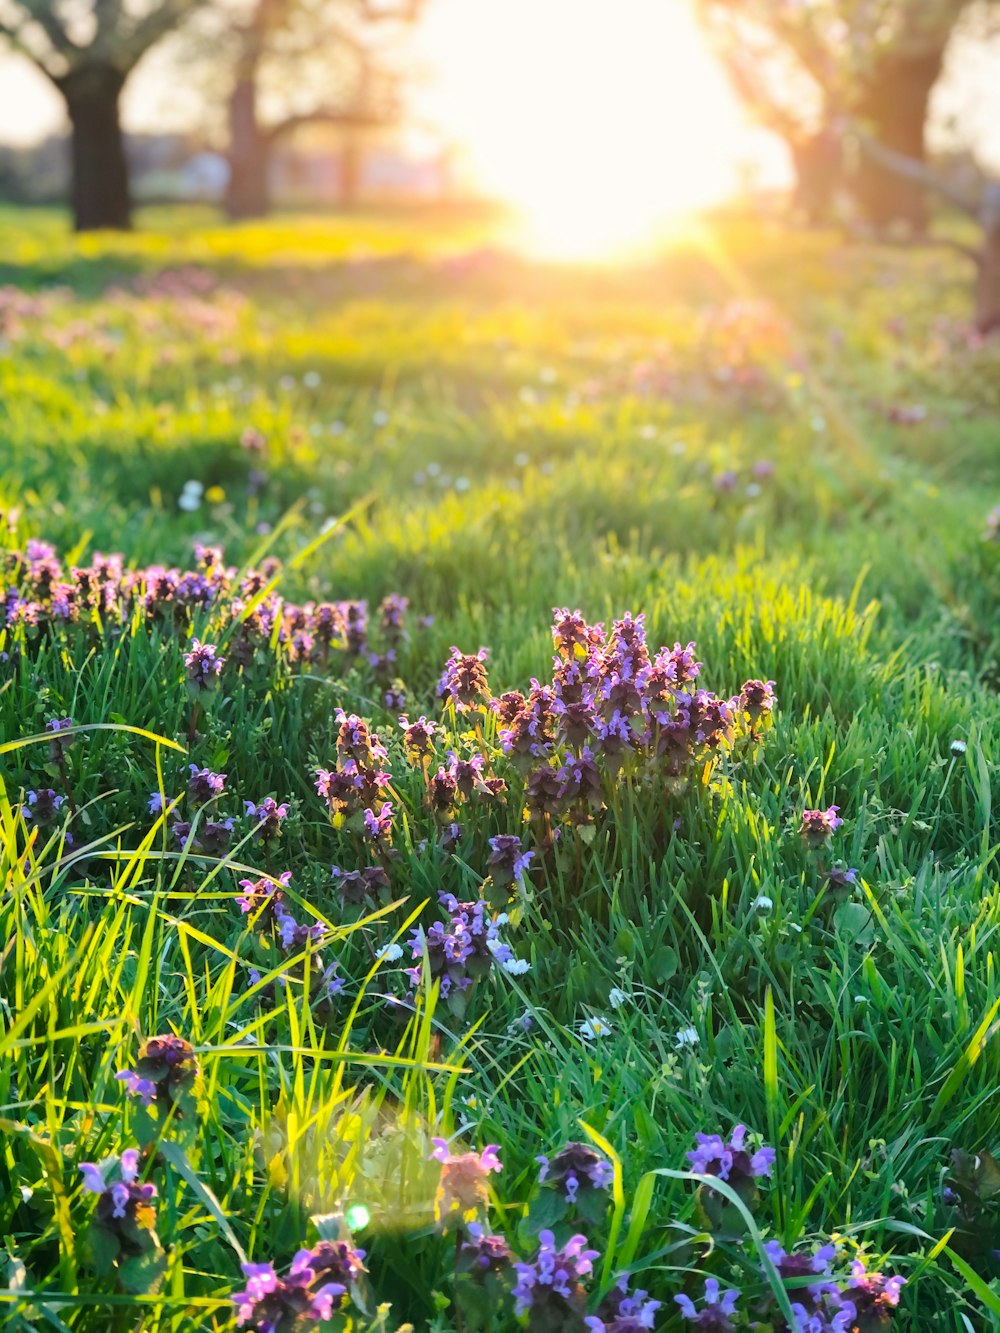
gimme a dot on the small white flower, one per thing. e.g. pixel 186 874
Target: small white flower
pixel 287 382
pixel 647 432
pixel 617 997
pixel 592 1029
pixel 26 1192
pixel 389 953
pixel 686 1037
pixel 193 487
pixel 189 502
pixel 337 428
pixel 517 967
pixel 433 469
pixel 311 379
pixel 861 999
pixel 316 430
pixel 547 468
pixel 753 490
pixel 958 747
pixel 380 418
pixel 522 459
pixel 678 447
pixel 818 423
pixel 762 903
pixel 462 483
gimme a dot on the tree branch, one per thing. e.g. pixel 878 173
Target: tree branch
pixel 914 170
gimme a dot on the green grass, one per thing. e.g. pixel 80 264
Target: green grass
pixel 508 437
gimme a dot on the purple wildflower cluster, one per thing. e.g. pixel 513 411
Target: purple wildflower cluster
pixel 265 903
pixel 717 1308
pixel 353 790
pixel 462 950
pixel 623 1312
pixel 731 1161
pixel 819 826
pixel 612 709
pixel 125 1212
pixel 464 1184
pixel 550 1289
pixel 204 830
pixel 318 1284
pixel 463 684
pixel 167 1075
pixel 266 818
pixel 575 1169
pixel 104 597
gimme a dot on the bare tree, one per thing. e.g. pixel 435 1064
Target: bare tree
pixel 88 49
pixel 802 66
pixel 984 211
pixel 294 63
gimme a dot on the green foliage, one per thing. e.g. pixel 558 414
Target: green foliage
pixel 510 438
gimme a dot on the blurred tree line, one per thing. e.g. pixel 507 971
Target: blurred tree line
pixel 279 64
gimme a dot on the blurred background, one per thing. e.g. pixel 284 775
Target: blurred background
pixel 592 124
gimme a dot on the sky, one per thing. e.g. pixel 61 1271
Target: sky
pixel 556 104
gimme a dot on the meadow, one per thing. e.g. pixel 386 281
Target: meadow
pixel 321 927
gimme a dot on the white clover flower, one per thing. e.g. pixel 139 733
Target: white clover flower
pixel 389 953
pixel 189 502
pixel 193 487
pixel 617 997
pixel 516 967
pixel 762 903
pixel 958 747
pixel 592 1029
pixel 686 1037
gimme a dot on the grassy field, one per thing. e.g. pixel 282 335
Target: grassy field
pixel 779 447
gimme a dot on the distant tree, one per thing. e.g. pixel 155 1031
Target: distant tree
pixel 982 204
pixel 88 49
pixel 293 63
pixel 802 66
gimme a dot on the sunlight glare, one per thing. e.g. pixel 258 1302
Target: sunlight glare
pixel 597 121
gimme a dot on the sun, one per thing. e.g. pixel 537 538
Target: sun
pixel 597 120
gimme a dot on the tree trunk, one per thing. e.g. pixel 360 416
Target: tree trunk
pixel 351 164
pixel 988 282
pixel 100 189
pixel 818 173
pixel 895 105
pixel 248 193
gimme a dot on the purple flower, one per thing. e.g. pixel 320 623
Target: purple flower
pixel 306 1294
pixel 378 827
pixel 507 861
pixel 551 1286
pixel 725 481
pixel 464 683
pixel 166 1073
pixel 203 665
pixel 715 1315
pixel 730 1161
pixel 59 744
pixel 819 826
pixel 464 1177
pixel 269 816
pixel 481 1254
pixel 264 893
pixel 156 804
pixel 574 1168
pixel 203 785
pixel 43 806
pixel 418 738
pixel 756 698
pixel 621 1312
pixel 873 1294
pixel 123 1201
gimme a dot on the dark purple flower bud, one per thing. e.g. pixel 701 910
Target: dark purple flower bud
pixel 507 861
pixel 203 665
pixel 203 785
pixel 269 817
pixel 464 683
pixel 43 806
pixel 818 826
pixel 59 744
pixel 574 1168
